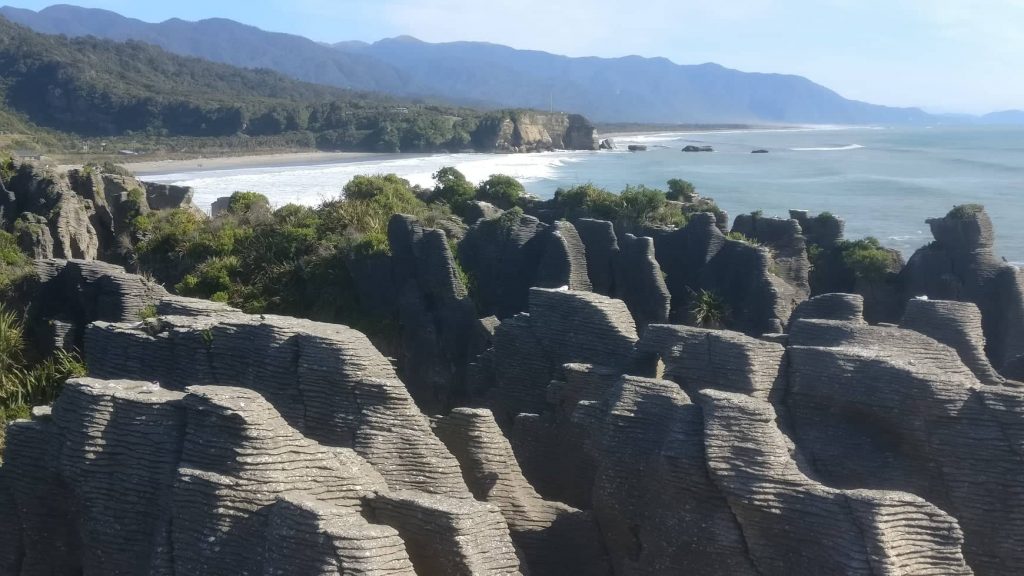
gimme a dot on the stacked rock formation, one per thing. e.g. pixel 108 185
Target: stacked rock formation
pixel 81 214
pixel 961 265
pixel 590 437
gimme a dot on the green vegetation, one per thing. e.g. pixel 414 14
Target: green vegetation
pixel 635 208
pixel 500 190
pixel 866 258
pixel 453 189
pixel 135 96
pixel 965 211
pixel 681 190
pixel 707 310
pixel 740 237
pixel 147 312
pixel 294 260
pixel 23 382
pixel 15 266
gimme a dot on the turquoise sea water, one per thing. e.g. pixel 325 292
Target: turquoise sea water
pixel 883 182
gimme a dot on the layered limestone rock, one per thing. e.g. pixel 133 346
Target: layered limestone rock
pixel 446 536
pixel 308 536
pixel 73 293
pixel 846 307
pixel 437 320
pixel 639 282
pixel 892 409
pixel 326 380
pixel 84 213
pixel 696 358
pixel 788 247
pixel 700 258
pixel 827 531
pixel 501 255
pixel 524 131
pixel 555 538
pixel 957 325
pixel 129 478
pixel 961 265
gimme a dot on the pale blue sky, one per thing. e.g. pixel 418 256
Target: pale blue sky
pixel 943 55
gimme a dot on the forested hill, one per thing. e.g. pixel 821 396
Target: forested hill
pixel 627 89
pixel 95 88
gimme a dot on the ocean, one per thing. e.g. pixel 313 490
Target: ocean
pixel 884 182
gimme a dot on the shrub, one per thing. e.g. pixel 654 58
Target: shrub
pixel 965 211
pixel 740 237
pixel 24 384
pixel 643 206
pixel 214 276
pixel 587 201
pixel 452 188
pixel 7 169
pixel 500 190
pixel 866 258
pixel 707 310
pixel 244 203
pixel 681 190
pixel 147 312
pixel 15 265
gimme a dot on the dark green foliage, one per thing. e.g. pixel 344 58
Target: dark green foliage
pixel 965 211
pixel 587 201
pixel 293 260
pixel 707 309
pixel 15 266
pixel 248 203
pixel 642 206
pixel 7 169
pixel 634 209
pixel 25 383
pixel 681 190
pixel 740 237
pixel 866 258
pixel 501 190
pixel 104 95
pixel 453 189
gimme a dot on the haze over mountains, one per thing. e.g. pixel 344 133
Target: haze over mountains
pixel 629 89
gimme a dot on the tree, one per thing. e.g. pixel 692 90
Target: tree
pixel 501 190
pixel 681 190
pixel 453 188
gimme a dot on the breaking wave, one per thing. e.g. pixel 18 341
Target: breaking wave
pixel 828 148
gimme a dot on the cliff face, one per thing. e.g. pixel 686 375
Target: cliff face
pixel 273 445
pixel 536 132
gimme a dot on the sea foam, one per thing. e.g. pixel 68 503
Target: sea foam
pixel 310 185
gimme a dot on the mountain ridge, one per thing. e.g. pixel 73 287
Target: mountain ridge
pixel 626 89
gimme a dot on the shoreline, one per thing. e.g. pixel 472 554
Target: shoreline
pixel 272 160
pixel 145 168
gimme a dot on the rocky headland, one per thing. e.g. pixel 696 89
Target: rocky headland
pixel 568 395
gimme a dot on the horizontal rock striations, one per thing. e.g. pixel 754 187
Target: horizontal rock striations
pixel 326 380
pixel 889 408
pixel 961 265
pixel 135 479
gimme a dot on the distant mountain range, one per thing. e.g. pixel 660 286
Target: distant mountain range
pixel 629 89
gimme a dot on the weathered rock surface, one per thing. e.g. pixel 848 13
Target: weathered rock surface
pixel 82 214
pixel 555 538
pixel 524 131
pixel 699 257
pixel 961 265
pixel 888 408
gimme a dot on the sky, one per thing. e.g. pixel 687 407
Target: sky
pixel 941 55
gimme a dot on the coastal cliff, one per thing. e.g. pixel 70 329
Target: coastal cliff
pixel 526 131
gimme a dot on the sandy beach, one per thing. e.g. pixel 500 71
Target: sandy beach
pixel 288 159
